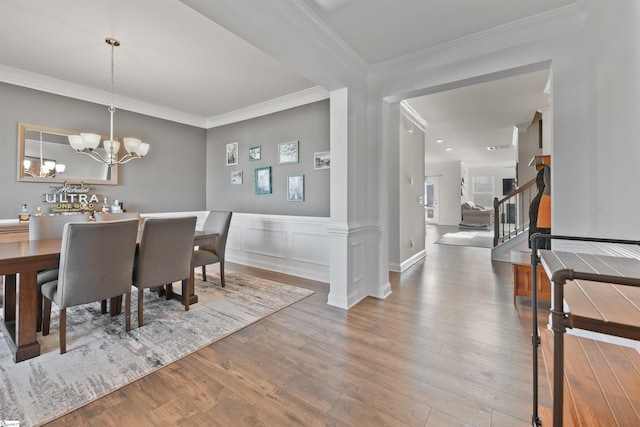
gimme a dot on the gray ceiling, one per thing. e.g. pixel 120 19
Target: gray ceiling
pixel 181 63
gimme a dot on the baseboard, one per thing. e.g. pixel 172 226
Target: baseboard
pixel 406 264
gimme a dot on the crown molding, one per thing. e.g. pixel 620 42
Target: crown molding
pixel 413 116
pixel 64 88
pixel 42 83
pixel 296 99
pixel 341 49
pixel 548 24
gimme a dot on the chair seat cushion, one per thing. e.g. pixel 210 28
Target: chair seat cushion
pixel 50 289
pixel 45 276
pixel 202 257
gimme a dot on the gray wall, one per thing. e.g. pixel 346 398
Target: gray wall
pixel 412 175
pixel 170 178
pixel 308 124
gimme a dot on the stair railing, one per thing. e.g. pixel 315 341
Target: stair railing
pixel 511 213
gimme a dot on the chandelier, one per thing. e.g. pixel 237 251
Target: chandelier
pixel 86 143
pixel 47 169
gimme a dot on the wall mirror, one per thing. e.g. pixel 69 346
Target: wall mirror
pixel 44 155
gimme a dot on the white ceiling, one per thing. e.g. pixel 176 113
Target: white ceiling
pixel 178 62
pixel 471 118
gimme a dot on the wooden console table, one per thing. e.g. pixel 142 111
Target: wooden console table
pixel 600 293
pixel 14 231
pixel 522 281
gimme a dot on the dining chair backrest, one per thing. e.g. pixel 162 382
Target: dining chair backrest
pixel 51 226
pixel 165 251
pixel 96 261
pixel 218 222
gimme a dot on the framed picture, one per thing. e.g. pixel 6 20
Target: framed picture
pixel 263 180
pixel 288 152
pixel 255 153
pixel 322 160
pixel 236 177
pixel 232 154
pixel 295 188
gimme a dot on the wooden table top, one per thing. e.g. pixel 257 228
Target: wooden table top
pixel 608 308
pixel 11 252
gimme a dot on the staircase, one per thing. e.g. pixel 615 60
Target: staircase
pixel 511 213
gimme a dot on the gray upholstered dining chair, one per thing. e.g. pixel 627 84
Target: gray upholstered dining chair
pixel 164 256
pixel 219 222
pixel 49 227
pixel 96 264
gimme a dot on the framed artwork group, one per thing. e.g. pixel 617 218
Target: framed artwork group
pixel 288 153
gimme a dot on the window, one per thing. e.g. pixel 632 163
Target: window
pixel 483 191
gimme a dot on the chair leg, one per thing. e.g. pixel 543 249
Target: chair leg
pixel 103 306
pixel 168 291
pixel 115 305
pixel 204 273
pixel 63 330
pixel 222 272
pixel 140 297
pixel 46 315
pixel 39 313
pixel 185 297
pixel 127 311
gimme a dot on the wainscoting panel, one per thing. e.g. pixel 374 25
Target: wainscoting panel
pixel 265 242
pixel 305 248
pixel 288 244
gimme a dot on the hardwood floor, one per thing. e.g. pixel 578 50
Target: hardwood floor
pixel 446 348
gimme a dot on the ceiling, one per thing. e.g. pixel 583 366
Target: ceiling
pixel 177 63
pixel 463 122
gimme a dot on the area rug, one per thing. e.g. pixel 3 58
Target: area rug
pixel 476 239
pixel 102 357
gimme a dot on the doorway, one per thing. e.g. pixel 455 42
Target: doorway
pixel 431 200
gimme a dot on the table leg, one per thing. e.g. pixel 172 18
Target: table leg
pixel 27 346
pixel 188 288
pixel 9 305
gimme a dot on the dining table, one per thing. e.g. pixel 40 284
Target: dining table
pixel 20 262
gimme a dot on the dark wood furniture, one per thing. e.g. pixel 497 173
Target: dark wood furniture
pixel 14 232
pixel 522 281
pixel 600 293
pixel 19 263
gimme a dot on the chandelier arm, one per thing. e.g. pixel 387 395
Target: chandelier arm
pixel 127 158
pixel 95 156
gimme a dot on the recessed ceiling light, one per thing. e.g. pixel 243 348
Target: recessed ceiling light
pixel 439 141
pixel 499 147
pixel 449 148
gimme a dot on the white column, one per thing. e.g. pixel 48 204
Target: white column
pixel 350 237
pixel 338 227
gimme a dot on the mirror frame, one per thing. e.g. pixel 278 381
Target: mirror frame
pixel 22 129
